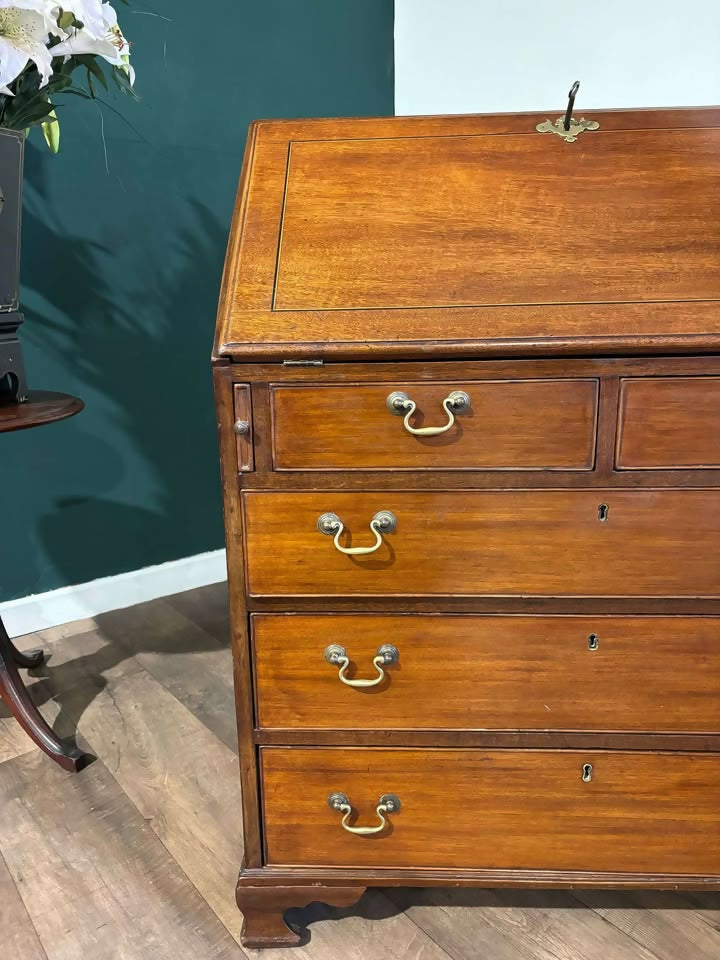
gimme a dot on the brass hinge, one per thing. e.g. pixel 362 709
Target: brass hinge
pixel 303 363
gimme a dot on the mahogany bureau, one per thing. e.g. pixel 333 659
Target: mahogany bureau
pixel 468 393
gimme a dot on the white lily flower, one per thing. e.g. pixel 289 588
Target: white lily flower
pixel 106 41
pixel 89 13
pixel 25 29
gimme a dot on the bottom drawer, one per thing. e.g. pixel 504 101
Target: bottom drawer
pixel 649 813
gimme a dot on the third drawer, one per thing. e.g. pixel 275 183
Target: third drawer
pixel 632 674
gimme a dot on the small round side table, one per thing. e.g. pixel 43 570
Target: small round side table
pixel 40 407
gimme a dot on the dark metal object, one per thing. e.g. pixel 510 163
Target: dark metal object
pixel 13 384
pixel 571 103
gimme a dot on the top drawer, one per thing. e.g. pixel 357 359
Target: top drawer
pixel 505 425
pixel 669 422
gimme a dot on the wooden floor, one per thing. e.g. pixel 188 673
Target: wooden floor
pixel 137 856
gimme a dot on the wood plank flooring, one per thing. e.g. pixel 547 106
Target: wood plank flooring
pixel 137 856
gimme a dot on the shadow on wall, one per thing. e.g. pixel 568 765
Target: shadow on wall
pixel 141 361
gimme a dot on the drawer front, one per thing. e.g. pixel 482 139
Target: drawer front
pixel 669 422
pixel 638 674
pixel 518 543
pixel 639 812
pixel 511 425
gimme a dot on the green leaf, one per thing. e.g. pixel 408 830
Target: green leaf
pixel 30 105
pixel 93 68
pixel 29 115
pixel 66 19
pixel 123 81
pixel 58 82
pixel 51 132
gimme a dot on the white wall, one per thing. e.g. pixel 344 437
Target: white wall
pixel 482 56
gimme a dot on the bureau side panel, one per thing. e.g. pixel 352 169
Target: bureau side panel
pixel 238 615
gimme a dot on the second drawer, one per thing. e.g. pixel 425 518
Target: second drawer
pixel 526 543
pixel 633 674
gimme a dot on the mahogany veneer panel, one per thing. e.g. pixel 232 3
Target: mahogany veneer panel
pixel 523 425
pixel 655 543
pixel 374 224
pixel 659 674
pixel 412 237
pixel 472 809
pixel 668 422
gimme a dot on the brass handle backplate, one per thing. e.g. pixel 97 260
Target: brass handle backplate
pixel 388 803
pixel 332 526
pixel 455 405
pixel 336 655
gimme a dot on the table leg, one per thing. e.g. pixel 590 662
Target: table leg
pixel 29 660
pixel 14 693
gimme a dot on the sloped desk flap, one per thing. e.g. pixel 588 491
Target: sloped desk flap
pixel 470 235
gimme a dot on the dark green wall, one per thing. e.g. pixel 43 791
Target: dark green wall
pixel 121 272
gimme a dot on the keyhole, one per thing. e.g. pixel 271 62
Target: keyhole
pixel 593 641
pixel 587 772
pixel 603 511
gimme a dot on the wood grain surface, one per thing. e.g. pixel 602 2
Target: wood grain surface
pixel 181 779
pixel 17 933
pixel 522 425
pixel 13 739
pixel 519 220
pixel 667 423
pixel 546 246
pixel 657 674
pixel 496 809
pixel 41 407
pixel 95 880
pixel 521 543
pixel 663 924
pixel 514 925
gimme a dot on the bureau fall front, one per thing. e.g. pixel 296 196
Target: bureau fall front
pixel 468 391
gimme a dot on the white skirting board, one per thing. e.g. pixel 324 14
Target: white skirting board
pixel 45 610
